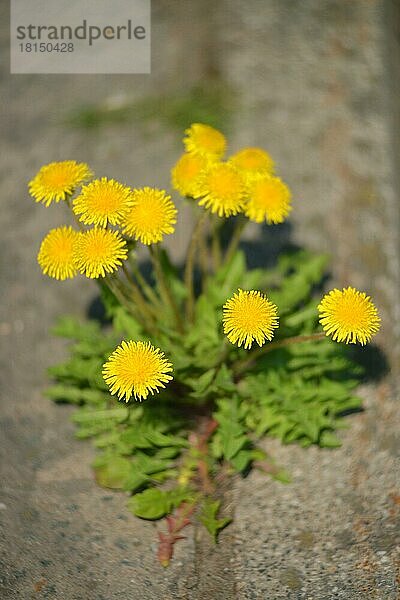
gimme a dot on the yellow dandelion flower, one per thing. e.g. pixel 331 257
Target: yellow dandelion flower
pixel 185 173
pixel 98 252
pixel 204 140
pixel 252 161
pixel 152 215
pixel 249 316
pixel 103 201
pixel 58 180
pixel 349 316
pixel 269 200
pixel 56 256
pixel 138 369
pixel 222 189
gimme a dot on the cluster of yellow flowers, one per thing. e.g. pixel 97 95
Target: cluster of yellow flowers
pixel 138 369
pixel 145 215
pixel 245 183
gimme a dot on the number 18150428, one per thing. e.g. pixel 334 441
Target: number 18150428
pixel 46 47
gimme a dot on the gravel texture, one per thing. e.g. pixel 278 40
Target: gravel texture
pixel 316 84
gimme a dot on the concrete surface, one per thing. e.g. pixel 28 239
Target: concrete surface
pixel 316 82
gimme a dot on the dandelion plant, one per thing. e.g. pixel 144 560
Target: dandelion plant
pixel 181 383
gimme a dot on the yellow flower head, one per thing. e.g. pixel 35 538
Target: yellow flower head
pixel 204 140
pixel 349 316
pixel 56 256
pixel 103 201
pixel 138 369
pixel 252 161
pixel 249 316
pixel 222 189
pixel 99 251
pixel 185 173
pixel 152 215
pixel 58 180
pixel 269 200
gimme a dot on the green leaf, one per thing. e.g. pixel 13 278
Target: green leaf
pixel 299 272
pixel 151 464
pixel 268 417
pixel 76 395
pixel 205 317
pixel 231 443
pixel 208 517
pixel 282 475
pixel 168 452
pixel 224 380
pixel 165 475
pixel 162 440
pixel 150 504
pixel 201 383
pixel 155 504
pixel 72 328
pixel 300 317
pixel 135 437
pixel 135 480
pixel 232 272
pixel 150 435
pixel 126 324
pixel 93 422
pixel 82 371
pixel 231 431
pixel 112 471
pixel 88 416
pixel 242 460
pixel 301 393
pixel 329 440
pixel 227 280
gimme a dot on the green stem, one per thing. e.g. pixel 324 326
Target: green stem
pixel 189 268
pixel 147 289
pixel 113 286
pixel 165 289
pixel 203 256
pixel 243 365
pixel 235 239
pixel 139 300
pixel 216 243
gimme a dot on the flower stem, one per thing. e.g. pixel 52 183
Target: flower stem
pixel 189 268
pixel 116 288
pixel 243 365
pixel 165 290
pixel 235 239
pixel 138 298
pixel 216 243
pixel 123 300
pixel 146 316
pixel 203 256
pixel 147 289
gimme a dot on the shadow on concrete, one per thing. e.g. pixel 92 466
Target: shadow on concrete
pixel 263 251
pixel 373 361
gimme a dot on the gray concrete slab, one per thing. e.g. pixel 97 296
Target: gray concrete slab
pixel 315 87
